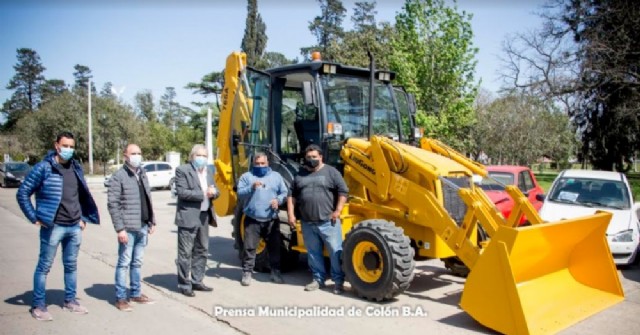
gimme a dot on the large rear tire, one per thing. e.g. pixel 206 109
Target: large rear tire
pixel 377 259
pixel 288 258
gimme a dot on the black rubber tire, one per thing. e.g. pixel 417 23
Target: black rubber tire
pixel 288 258
pixel 395 249
pixel 455 265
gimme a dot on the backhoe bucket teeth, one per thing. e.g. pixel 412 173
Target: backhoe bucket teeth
pixel 543 278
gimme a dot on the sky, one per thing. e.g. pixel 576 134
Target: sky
pixel 153 44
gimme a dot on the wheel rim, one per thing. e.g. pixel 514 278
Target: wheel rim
pixel 367 261
pixel 261 243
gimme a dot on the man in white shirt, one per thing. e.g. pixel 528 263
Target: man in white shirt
pixel 195 190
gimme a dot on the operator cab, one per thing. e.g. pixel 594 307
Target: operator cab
pixel 325 104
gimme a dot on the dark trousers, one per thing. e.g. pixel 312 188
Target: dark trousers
pixel 193 244
pixel 253 231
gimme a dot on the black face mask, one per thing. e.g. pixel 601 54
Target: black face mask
pixel 312 163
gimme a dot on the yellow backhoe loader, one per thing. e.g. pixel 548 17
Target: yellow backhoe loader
pixel 409 197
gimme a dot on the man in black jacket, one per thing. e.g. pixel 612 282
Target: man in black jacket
pixel 129 202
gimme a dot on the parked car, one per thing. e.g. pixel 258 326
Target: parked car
pixel 13 173
pixel 576 193
pixel 520 176
pixel 160 174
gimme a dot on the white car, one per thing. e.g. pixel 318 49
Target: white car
pixel 160 174
pixel 577 193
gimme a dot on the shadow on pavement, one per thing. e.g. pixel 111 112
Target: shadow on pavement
pixel 631 273
pixel 168 281
pixel 26 298
pixel 221 251
pixel 464 321
pixel 105 292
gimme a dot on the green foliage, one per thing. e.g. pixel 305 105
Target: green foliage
pixel 608 36
pixel 328 30
pixel 433 54
pixel 520 129
pixel 82 74
pixel 254 40
pixel 366 36
pixel 145 107
pixel 276 59
pixel 27 83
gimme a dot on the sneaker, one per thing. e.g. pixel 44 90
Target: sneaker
pixel 41 314
pixel 246 279
pixel 314 285
pixel 276 277
pixel 143 299
pixel 123 305
pixel 74 307
pixel 338 289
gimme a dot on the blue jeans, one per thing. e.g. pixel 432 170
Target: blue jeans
pixel 130 257
pixel 315 235
pixel 70 236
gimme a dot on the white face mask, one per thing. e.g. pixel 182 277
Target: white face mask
pixel 135 160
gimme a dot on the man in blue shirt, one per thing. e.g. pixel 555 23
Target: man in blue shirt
pixel 262 191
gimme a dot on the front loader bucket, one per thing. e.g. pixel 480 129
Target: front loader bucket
pixel 543 278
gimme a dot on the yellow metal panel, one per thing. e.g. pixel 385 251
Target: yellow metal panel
pixel 541 279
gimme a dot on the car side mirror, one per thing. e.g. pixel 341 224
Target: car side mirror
pixel 540 197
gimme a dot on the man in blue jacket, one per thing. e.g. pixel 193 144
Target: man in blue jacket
pixel 262 191
pixel 63 207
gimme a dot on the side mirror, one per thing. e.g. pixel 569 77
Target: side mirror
pixel 540 197
pixel 307 93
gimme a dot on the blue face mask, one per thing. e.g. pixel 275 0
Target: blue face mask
pixel 200 162
pixel 259 171
pixel 66 153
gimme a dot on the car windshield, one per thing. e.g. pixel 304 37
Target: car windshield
pixel 591 193
pixel 496 180
pixel 18 167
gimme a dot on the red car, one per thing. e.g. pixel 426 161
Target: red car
pixel 520 176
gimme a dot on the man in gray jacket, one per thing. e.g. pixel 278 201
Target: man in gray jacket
pixel 195 189
pixel 129 203
pixel 261 192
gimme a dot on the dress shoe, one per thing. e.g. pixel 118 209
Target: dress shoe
pixel 187 292
pixel 202 287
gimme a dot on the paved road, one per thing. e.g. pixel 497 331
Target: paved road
pixel 433 292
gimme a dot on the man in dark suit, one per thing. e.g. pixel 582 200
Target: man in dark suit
pixel 195 189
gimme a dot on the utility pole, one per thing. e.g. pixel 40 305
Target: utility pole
pixel 90 130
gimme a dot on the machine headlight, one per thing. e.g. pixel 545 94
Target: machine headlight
pixel 623 236
pixel 10 175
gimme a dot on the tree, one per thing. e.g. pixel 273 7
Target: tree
pixel 432 52
pixel 275 59
pixel 170 110
pixel 608 36
pixel 254 40
pixel 210 83
pixel 27 84
pixel 107 91
pixel 53 88
pixel 82 75
pixel 585 56
pixel 367 36
pixel 144 106
pixel 327 28
pixel 115 124
pixel 518 128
